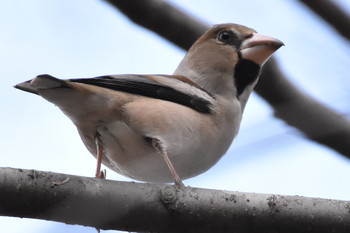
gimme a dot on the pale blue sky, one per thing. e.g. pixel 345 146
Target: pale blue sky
pixel 86 38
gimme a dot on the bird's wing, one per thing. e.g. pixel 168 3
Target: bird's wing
pixel 177 89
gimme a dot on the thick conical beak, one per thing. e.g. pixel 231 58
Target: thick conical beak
pixel 259 48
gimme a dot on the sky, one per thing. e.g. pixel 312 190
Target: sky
pixel 87 38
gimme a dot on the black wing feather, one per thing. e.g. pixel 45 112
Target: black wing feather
pixel 138 85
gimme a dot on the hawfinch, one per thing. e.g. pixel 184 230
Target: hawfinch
pixel 164 128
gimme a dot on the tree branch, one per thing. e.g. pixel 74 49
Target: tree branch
pixel 332 14
pixel 143 207
pixel 164 19
pixel 301 111
pixel 315 120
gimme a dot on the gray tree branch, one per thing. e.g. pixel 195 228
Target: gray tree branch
pixel 107 204
pixel 297 109
pixel 332 14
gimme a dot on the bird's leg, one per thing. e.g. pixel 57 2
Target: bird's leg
pixel 162 151
pixel 99 174
pixel 99 148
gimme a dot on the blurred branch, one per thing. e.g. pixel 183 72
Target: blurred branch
pixel 331 13
pixel 315 120
pixel 164 19
pixel 106 204
pixel 299 110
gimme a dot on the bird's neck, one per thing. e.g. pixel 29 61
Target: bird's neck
pixel 207 76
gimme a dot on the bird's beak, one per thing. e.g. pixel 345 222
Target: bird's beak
pixel 259 48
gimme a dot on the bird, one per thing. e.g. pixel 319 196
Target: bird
pixel 165 128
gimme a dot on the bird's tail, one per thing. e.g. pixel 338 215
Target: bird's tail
pixel 41 82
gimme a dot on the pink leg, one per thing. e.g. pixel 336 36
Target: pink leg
pixel 99 173
pixel 160 148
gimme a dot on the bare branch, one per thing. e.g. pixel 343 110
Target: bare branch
pixel 315 120
pixel 164 19
pixel 299 110
pixel 332 14
pixel 142 207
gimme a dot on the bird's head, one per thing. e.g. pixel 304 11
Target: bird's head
pixel 227 60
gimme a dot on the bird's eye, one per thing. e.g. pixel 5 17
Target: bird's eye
pixel 225 36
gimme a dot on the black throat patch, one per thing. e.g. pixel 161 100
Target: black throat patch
pixel 246 72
